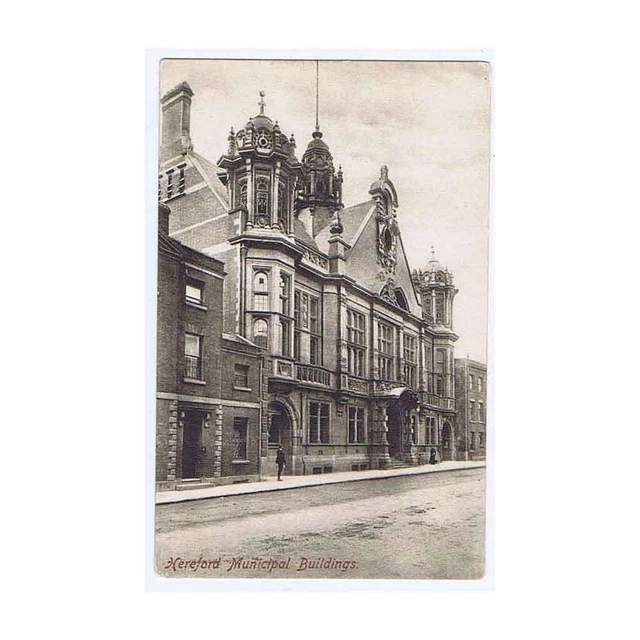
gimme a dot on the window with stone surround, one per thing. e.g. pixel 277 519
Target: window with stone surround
pixel 356 425
pixel 319 422
pixel 385 352
pixel 261 291
pixel 356 343
pixel 240 450
pixel 193 356
pixel 410 354
pixel 241 376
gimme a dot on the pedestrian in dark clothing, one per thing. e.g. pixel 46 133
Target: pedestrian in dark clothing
pixel 281 461
pixel 432 456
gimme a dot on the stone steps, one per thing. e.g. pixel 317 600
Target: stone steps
pixel 193 483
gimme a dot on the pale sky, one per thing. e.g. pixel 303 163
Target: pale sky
pixel 427 121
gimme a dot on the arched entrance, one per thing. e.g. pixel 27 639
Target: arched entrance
pixel 447 451
pixel 401 422
pixel 280 433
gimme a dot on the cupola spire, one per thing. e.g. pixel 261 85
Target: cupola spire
pixel 262 104
pixel 317 94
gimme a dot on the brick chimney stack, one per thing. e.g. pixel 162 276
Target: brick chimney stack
pixel 176 122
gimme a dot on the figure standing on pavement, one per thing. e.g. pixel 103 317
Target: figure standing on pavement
pixel 432 457
pixel 281 461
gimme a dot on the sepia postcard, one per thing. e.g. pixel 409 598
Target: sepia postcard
pixel 321 319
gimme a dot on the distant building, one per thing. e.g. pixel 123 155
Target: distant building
pixel 208 401
pixel 471 406
pixel 359 350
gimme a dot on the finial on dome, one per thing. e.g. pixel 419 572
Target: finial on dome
pixel 384 172
pixel 262 103
pixel 433 253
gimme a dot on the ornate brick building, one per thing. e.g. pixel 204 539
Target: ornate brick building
pixel 359 369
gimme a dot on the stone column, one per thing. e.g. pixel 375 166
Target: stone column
pixel 378 443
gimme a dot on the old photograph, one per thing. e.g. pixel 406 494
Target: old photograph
pixel 321 406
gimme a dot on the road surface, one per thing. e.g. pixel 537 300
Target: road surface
pixel 413 527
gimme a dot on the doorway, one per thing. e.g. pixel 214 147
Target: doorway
pixel 393 430
pixel 446 441
pixel 192 445
pixel 279 434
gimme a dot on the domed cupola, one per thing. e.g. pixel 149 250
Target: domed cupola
pixel 262 173
pixel 322 186
pixel 435 284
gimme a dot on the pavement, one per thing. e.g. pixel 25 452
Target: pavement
pixel 296 482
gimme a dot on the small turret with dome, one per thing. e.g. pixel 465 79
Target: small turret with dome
pixel 322 187
pixel 435 284
pixel 261 173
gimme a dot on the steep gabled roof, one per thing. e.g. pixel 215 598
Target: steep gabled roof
pixel 353 220
pixel 209 173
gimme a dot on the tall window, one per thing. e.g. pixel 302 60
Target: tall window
pixel 181 180
pixel 470 383
pixel 430 429
pixel 261 291
pixel 481 416
pixel 285 334
pixel 440 307
pixel 440 371
pixel 318 422
pixel 356 348
pixel 472 410
pixel 410 353
pixel 262 201
pixel 385 352
pixel 307 317
pixel 472 446
pixel 297 323
pixel 283 207
pixel 480 383
pixel 170 183
pixel 428 356
pixel 240 439
pixel 481 438
pixel 285 294
pixel 242 200
pixel 261 332
pixel 356 425
pixel 192 356
pixel 315 340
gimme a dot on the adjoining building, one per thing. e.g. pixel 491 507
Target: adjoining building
pixel 208 399
pixel 471 406
pixel 359 369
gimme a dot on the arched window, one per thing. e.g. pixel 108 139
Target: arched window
pixel 262 201
pixel 261 291
pixel 283 207
pixel 261 332
pixel 243 192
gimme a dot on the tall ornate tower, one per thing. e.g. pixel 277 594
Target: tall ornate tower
pixel 262 174
pixel 322 186
pixel 435 284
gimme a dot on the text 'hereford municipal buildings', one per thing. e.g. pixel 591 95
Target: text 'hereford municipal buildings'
pixel 358 349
